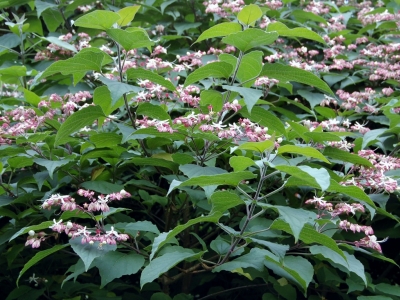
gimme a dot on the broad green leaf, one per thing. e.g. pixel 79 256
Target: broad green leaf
pixel 221 201
pixel 153 111
pixel 127 14
pixel 283 30
pixel 338 154
pixel 233 179
pixel 183 26
pixel 294 268
pixel 151 161
pixel 88 59
pixel 139 73
pixel 257 146
pixel 38 257
pixel 103 187
pixel 371 137
pixel 309 176
pixel 130 40
pixel 16 71
pixel 254 259
pixel 313 99
pixel 213 98
pixel 61 43
pixel 322 137
pixel 240 163
pixel 51 165
pixel 250 96
pixel 331 256
pixel 31 97
pixel 115 264
pixel 191 170
pixel 287 73
pixel 229 58
pixel 215 69
pixel 88 252
pixel 250 38
pixel 304 16
pixel 356 266
pixel 163 263
pixel 182 158
pixel 106 139
pixel 143 133
pixel 309 236
pixel 118 89
pixel 9 41
pixel 265 118
pixel 25 230
pixel 306 151
pixel 99 19
pixel 295 217
pixel 276 248
pixel 19 162
pixel 133 228
pixel 218 30
pixel 385 288
pixel 102 98
pixel 352 191
pixel 84 117
pixel 41 6
pixel 249 14
pixel 249 68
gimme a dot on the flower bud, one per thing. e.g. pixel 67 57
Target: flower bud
pixel 69 225
pixel 31 233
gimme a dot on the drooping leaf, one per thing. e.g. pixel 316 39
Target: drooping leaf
pixel 306 151
pixel 250 38
pixel 217 69
pixel 84 117
pixel 338 154
pixel 283 30
pixel 99 19
pixel 130 40
pixel 38 257
pixel 287 73
pixel 115 264
pixel 221 201
pixel 257 146
pixel 254 259
pixel 51 165
pixel 163 263
pixel 222 29
pixel 250 96
pixel 249 14
pixel 140 73
pixel 88 252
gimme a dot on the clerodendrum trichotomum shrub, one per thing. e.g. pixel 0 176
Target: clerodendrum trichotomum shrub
pixel 189 150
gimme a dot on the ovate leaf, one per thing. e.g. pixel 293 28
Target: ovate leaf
pixel 218 30
pixel 139 73
pixel 265 118
pixel 115 264
pixel 250 96
pixel 84 117
pixel 287 73
pixel 338 154
pixel 130 39
pixel 283 30
pixel 38 257
pixel 240 163
pixel 306 151
pixel 249 68
pixel 249 14
pixel 257 146
pixel 99 19
pixel 250 38
pixel 216 70
pixel 153 111
pixel 127 14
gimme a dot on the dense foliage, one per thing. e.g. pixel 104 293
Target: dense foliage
pixel 189 150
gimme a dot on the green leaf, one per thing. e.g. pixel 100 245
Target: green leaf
pixel 213 98
pixel 19 162
pixel 250 38
pixel 61 43
pixel 127 14
pixel 139 73
pixel 356 266
pixel 151 161
pixel 38 257
pixel 322 137
pixel 163 263
pixel 250 96
pixel 103 187
pixel 102 98
pixel 88 59
pixel 278 249
pixel 105 139
pixel 31 97
pixel 42 6
pixel 118 89
pixel 294 268
pixel 295 217
pixel 257 146
pixel 145 226
pixel 25 230
pixel 217 69
pixel 233 179
pixel 115 264
pixel 249 68
pixel 221 201
pixel 308 175
pixel 309 236
pixel 249 14
pixel 153 111
pixel 330 255
pixel 240 163
pixel 183 26
pixel 99 19
pixel 130 40
pixel 283 30
pixel 88 252
pixel 254 259
pixel 218 30
pixel 51 165
pixel 287 73
pixel 338 154
pixel 352 191
pixel 84 117
pixel 265 118
pixel 385 288
pixel 306 151
pixel 305 16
